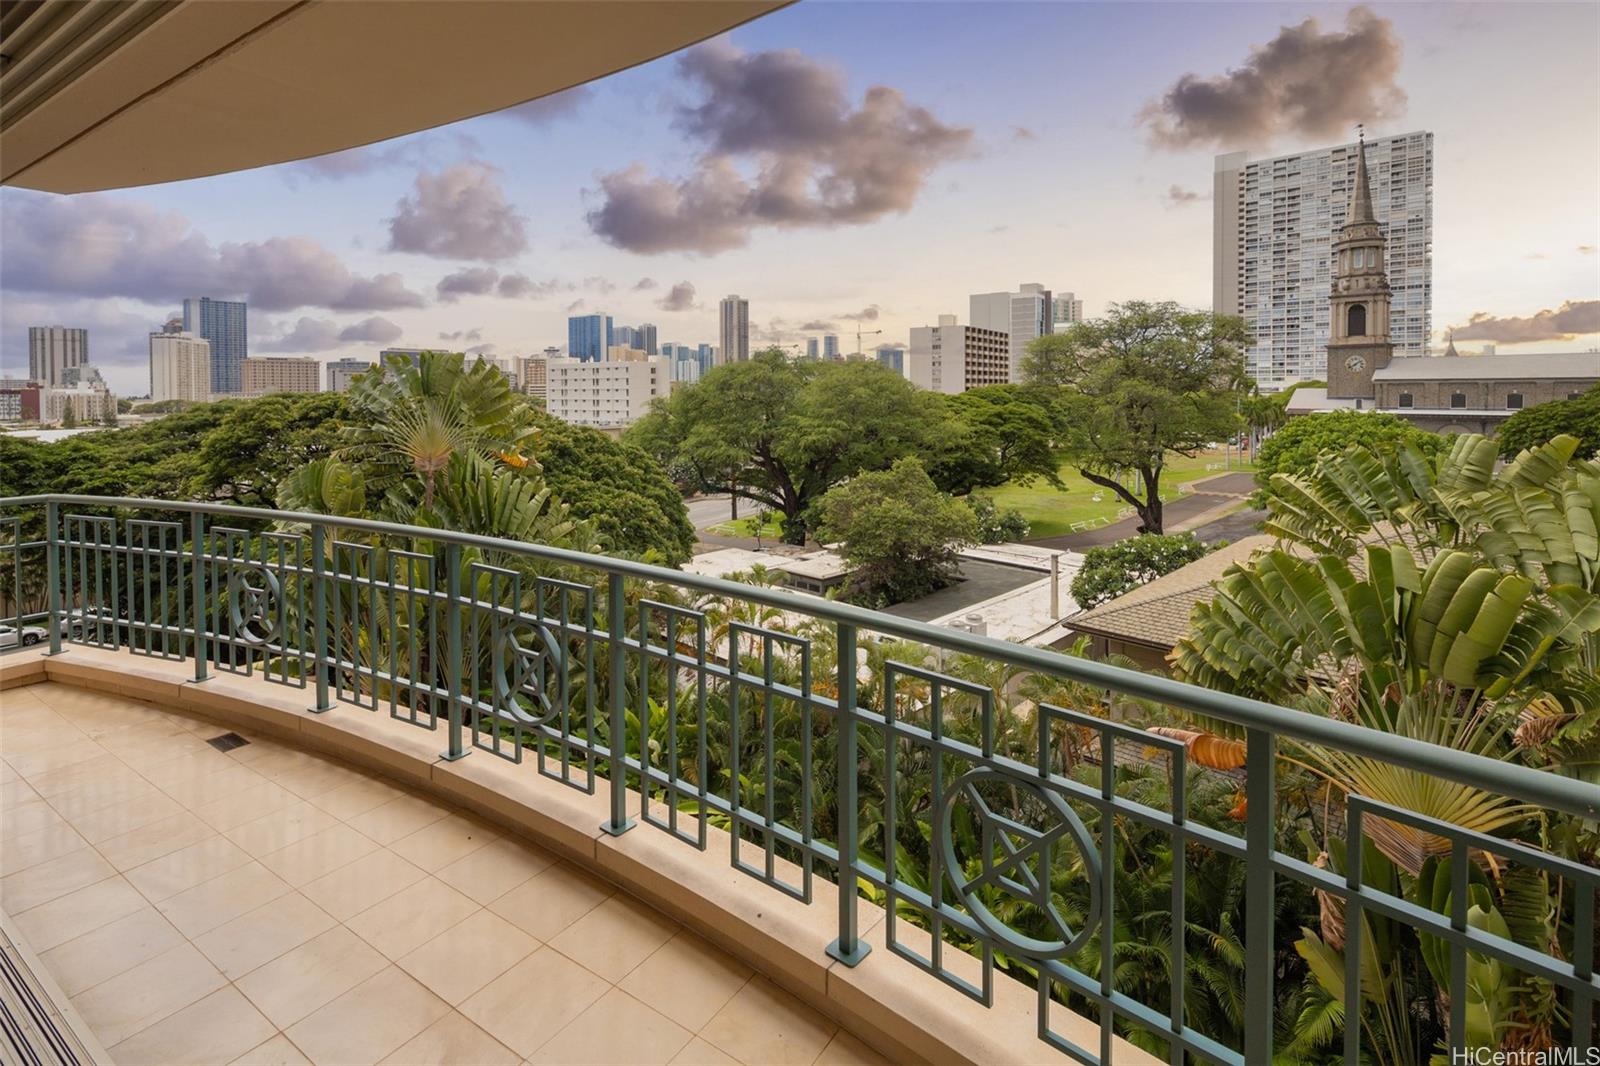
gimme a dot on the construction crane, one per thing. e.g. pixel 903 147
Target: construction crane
pixel 864 333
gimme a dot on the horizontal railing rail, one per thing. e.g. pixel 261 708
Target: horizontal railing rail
pixel 977 820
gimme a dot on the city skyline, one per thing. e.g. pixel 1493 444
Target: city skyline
pixel 492 231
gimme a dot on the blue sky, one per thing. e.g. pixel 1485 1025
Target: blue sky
pixel 1058 181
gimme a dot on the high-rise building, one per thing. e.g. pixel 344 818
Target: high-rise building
pixel 811 349
pixel 343 372
pixel 264 374
pixel 953 358
pixel 588 336
pixel 180 365
pixel 647 338
pixel 532 374
pixel 1274 225
pixel 735 334
pixel 605 394
pixel 626 336
pixel 54 349
pixel 1025 315
pixel 1067 308
pixel 223 324
pixel 707 355
pixel 893 357
pixel 830 346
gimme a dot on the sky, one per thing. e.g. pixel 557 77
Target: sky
pixel 840 164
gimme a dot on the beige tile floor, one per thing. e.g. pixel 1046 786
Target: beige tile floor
pixel 268 905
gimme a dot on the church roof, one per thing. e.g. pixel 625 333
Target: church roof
pixel 1507 367
pixel 1361 198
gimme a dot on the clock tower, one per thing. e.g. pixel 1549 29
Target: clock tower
pixel 1358 335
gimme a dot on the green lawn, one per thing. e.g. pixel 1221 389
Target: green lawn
pixel 746 527
pixel 1051 512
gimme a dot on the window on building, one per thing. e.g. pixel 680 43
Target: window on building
pixel 1514 400
pixel 1458 399
pixel 1356 321
pixel 1407 400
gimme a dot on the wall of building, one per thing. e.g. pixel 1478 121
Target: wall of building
pixel 606 394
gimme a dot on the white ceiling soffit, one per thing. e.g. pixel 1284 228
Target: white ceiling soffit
pixel 107 94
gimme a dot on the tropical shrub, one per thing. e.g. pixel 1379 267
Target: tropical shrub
pixel 1109 570
pixel 996 526
pixel 1578 417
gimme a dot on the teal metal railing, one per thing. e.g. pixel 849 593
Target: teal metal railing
pixel 822 739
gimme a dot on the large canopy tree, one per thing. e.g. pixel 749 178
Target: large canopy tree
pixel 1577 417
pixel 782 434
pixel 1146 381
pixel 1012 437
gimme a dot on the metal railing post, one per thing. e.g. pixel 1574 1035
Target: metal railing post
pixel 455 650
pixel 52 542
pixel 848 949
pixel 617 624
pixel 319 619
pixel 1259 891
pixel 197 552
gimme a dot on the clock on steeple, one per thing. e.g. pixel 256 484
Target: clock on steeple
pixel 1358 339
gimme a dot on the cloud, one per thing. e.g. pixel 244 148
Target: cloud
pixel 480 349
pixel 458 213
pixel 118 337
pixel 1023 133
pixel 462 335
pixel 471 281
pixel 866 314
pixel 816 325
pixel 374 330
pixel 575 305
pixel 1302 83
pixel 1178 196
pixel 1566 322
pixel 416 151
pixel 515 286
pixel 678 298
pixel 548 109
pixel 781 146
pixel 603 285
pixel 323 334
pixel 105 246
pixel 645 284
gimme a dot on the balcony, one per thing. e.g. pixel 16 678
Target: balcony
pixel 498 799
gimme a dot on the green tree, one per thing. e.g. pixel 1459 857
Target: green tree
pixel 1303 440
pixel 901 535
pixel 622 491
pixel 1146 381
pixel 257 442
pixel 1012 438
pixel 782 434
pixel 1110 570
pixel 1532 426
pixel 994 525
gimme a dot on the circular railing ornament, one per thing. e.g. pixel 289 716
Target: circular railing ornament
pixel 253 600
pixel 529 673
pixel 1017 859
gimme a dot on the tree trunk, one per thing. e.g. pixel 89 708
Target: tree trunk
pixel 1150 510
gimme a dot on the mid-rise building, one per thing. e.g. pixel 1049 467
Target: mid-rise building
pixel 532 371
pixel 342 373
pixel 588 336
pixel 1274 225
pixel 1067 308
pixel 830 346
pixel 54 349
pixel 735 335
pixel 892 357
pixel 953 358
pixel 180 365
pixel 605 394
pixel 20 400
pixel 264 374
pixel 223 323
pixel 1024 315
pixel 82 397
pixel 622 353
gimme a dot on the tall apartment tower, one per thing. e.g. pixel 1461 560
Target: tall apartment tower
pixel 647 338
pixel 735 335
pixel 1275 222
pixel 223 324
pixel 53 350
pixel 588 337
pixel 180 365
pixel 1359 343
pixel 1068 308
pixel 812 352
pixel 1026 314
pixel 830 346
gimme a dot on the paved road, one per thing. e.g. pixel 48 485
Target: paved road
pixel 1208 494
pixel 712 510
pixel 1231 527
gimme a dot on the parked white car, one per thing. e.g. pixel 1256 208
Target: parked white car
pixel 30 635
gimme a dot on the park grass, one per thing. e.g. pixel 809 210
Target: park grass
pixel 1051 512
pixel 746 527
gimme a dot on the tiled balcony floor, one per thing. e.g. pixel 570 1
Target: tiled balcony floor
pixel 268 905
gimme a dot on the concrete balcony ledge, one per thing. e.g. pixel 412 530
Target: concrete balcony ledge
pixel 905 1014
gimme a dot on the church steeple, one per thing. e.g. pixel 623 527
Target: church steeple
pixel 1358 294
